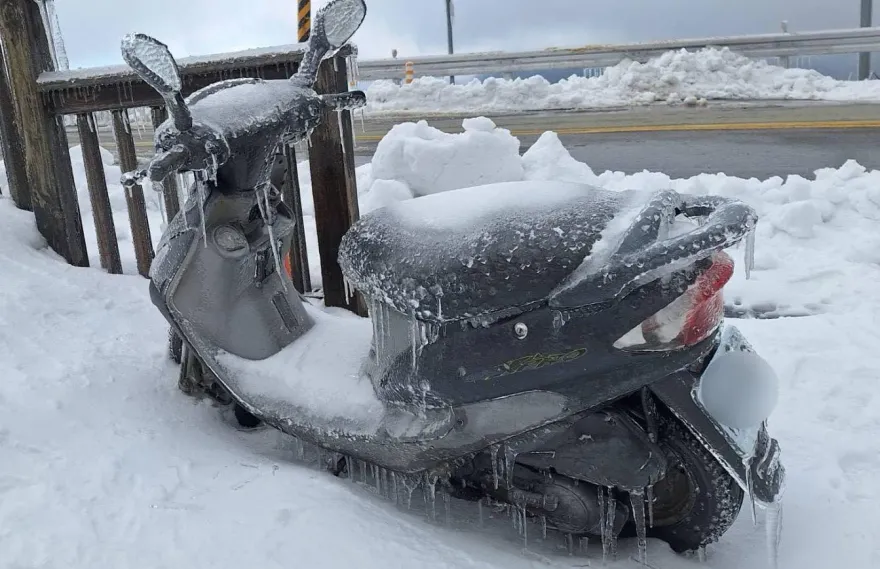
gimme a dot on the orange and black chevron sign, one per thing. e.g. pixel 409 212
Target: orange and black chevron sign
pixel 305 20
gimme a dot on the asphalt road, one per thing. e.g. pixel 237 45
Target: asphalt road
pixel 746 140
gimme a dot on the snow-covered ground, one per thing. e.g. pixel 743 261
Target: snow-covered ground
pixel 104 463
pixel 676 77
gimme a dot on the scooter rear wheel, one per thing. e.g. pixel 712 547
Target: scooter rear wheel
pixel 697 501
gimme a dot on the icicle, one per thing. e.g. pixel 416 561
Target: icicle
pixel 509 463
pixel 394 487
pixel 493 452
pixel 410 488
pixel 160 189
pixel 773 532
pixel 569 543
pixel 637 499
pixel 649 497
pixel 701 554
pixel 480 511
pixel 749 262
pixel 276 256
pixel 603 524
pixel 363 120
pixel 612 510
pixel 300 450
pixel 347 291
pixel 750 484
pixel 336 64
pixel 431 494
pixel 514 519
pixel 584 545
pixel 201 190
pixel 349 467
pixel 212 175
pixel 91 120
pixel 413 340
pixel 447 506
pixel 525 528
pixel 341 130
pixel 376 482
pixel 363 466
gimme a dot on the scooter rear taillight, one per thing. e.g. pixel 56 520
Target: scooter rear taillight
pixel 690 318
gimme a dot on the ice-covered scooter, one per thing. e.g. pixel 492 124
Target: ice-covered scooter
pixel 557 348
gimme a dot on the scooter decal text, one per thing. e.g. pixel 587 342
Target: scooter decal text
pixel 534 361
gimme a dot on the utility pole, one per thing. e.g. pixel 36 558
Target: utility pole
pixel 865 57
pixel 449 16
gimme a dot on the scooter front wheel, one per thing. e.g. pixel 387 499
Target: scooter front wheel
pixel 697 501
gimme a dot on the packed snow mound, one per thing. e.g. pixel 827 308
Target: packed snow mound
pixel 103 462
pixel 430 161
pixel 676 77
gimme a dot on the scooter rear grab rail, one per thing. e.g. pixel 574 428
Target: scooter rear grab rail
pixel 642 251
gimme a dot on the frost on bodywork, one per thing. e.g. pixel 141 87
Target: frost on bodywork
pixel 474 251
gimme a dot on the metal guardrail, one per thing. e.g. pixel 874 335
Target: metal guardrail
pixel 588 56
pixel 758 46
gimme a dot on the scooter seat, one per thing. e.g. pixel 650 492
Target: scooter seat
pixel 475 251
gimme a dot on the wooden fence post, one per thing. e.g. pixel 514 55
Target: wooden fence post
pixel 172 200
pixel 12 144
pixel 49 175
pixel 334 186
pixel 105 229
pixel 134 196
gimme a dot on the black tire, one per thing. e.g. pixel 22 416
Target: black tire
pixel 175 346
pixel 244 418
pixel 698 500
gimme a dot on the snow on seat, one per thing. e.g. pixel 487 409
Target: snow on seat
pixel 474 251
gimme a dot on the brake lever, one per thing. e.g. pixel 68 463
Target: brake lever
pixel 161 166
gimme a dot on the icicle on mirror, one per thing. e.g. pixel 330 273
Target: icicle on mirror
pixel 341 19
pixel 153 62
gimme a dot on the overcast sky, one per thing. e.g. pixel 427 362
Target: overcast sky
pixel 92 28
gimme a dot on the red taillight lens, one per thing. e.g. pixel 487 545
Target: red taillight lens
pixel 688 319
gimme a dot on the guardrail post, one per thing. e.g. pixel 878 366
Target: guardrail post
pixel 334 186
pixel 865 22
pixel 304 20
pixel 47 163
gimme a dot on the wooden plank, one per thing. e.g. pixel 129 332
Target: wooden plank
pixel 292 196
pixel 12 145
pixel 108 246
pixel 53 195
pixel 134 196
pixel 170 193
pixel 118 87
pixel 334 186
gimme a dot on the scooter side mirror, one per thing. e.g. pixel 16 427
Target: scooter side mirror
pixel 153 62
pixel 339 20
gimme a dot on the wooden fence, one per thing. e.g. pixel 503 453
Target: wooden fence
pixel 35 98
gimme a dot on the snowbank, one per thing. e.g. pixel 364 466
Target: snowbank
pixel 103 463
pixel 676 77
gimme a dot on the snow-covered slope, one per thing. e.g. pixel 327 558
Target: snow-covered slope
pixel 104 463
pixel 676 77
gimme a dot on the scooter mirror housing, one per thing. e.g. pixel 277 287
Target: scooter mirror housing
pixel 340 20
pixel 153 62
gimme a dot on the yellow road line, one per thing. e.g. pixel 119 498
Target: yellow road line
pixel 781 125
